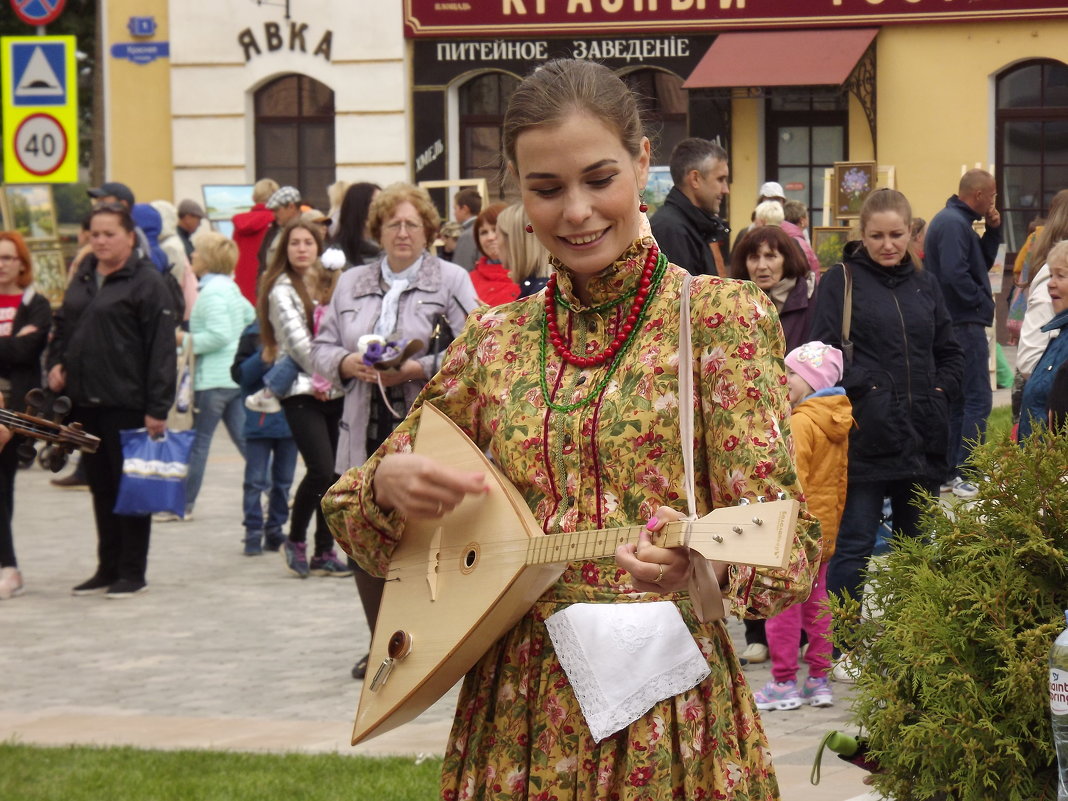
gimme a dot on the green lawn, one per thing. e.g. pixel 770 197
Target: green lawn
pixel 30 773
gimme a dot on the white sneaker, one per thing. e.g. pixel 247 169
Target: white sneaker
pixel 845 671
pixel 755 653
pixel 961 488
pixel 10 583
pixel 263 401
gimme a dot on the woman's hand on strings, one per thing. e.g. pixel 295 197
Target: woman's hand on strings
pixel 420 487
pixel 652 568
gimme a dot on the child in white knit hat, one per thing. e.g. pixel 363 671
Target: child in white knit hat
pixel 820 423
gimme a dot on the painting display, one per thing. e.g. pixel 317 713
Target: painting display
pixel 30 210
pixel 853 182
pixel 49 273
pixel 827 243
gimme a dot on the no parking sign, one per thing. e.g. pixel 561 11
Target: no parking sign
pixel 40 109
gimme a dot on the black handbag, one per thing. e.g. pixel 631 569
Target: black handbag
pixel 441 336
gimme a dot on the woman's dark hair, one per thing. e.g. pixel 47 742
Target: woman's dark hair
pixel 352 219
pixel 488 216
pixel 117 209
pixel 280 265
pixel 563 86
pixel 794 263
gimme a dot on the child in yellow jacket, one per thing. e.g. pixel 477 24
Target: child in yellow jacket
pixel 820 423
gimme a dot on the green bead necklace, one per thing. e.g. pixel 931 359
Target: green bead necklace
pixel 543 344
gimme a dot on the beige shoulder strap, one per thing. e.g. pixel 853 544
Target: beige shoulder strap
pixel 704 589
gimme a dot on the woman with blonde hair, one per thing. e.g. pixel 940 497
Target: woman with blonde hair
pixel 1034 283
pixel 289 296
pixel 217 319
pixel 525 258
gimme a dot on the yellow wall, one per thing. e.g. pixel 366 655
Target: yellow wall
pixel 936 98
pixel 139 106
pixel 747 165
pixel 934 107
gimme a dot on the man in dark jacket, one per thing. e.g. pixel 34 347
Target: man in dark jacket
pixel 961 260
pixel 686 226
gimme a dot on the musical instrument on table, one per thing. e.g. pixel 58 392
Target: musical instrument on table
pixel 458 583
pixel 62 438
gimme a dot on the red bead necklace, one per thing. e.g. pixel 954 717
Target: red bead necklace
pixel 606 355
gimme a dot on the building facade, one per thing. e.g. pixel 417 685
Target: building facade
pixel 312 91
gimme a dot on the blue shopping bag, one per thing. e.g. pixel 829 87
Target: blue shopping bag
pixel 153 472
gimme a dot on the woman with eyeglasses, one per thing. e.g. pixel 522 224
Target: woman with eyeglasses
pixel 25 318
pixel 399 300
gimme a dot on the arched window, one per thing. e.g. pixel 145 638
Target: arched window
pixel 1032 142
pixel 483 101
pixel 664 109
pixel 295 136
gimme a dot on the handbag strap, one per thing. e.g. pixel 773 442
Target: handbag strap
pixel 847 314
pixel 704 589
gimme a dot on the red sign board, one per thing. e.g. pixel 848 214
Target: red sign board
pixel 38 12
pixel 449 18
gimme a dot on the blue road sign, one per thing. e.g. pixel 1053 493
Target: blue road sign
pixel 40 74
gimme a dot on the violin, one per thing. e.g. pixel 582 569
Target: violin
pixel 62 439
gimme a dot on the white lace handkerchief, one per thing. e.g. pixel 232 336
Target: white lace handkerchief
pixel 623 658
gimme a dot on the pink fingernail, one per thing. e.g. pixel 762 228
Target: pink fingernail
pixel 653 522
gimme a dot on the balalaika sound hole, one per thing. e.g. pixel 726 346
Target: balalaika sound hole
pixel 470 557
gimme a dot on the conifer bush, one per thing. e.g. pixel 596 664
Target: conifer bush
pixel 953 687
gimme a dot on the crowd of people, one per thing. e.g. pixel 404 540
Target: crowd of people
pixel 322 336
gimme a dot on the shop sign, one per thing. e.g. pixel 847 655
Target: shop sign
pixel 627 50
pixel 440 61
pixel 293 38
pixel 435 18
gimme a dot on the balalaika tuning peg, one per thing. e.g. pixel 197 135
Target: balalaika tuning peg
pixel 743 501
pixel 60 408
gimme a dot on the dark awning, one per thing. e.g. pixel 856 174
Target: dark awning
pixel 781 58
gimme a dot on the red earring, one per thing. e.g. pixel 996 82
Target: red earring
pixel 528 228
pixel 642 205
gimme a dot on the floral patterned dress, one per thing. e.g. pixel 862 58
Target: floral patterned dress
pixel 519 732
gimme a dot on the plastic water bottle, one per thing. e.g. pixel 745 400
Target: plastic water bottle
pixel 1058 704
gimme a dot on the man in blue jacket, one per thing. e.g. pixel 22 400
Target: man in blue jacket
pixel 961 260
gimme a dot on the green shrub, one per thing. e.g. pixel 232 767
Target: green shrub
pixel 953 661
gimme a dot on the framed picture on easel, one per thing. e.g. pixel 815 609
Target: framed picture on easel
pixel 853 182
pixel 30 210
pixel 827 244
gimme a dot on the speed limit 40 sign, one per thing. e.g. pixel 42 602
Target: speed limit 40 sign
pixel 40 109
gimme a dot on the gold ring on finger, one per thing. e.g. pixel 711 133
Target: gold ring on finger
pixel 660 575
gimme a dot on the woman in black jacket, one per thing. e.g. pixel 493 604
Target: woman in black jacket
pixel 114 355
pixel 906 366
pixel 25 317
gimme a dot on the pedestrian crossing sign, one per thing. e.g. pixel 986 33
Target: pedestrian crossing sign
pixel 39 104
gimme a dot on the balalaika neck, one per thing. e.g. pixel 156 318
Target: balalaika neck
pixel 571 546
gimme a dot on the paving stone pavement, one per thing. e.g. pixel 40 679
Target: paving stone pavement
pixel 231 652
